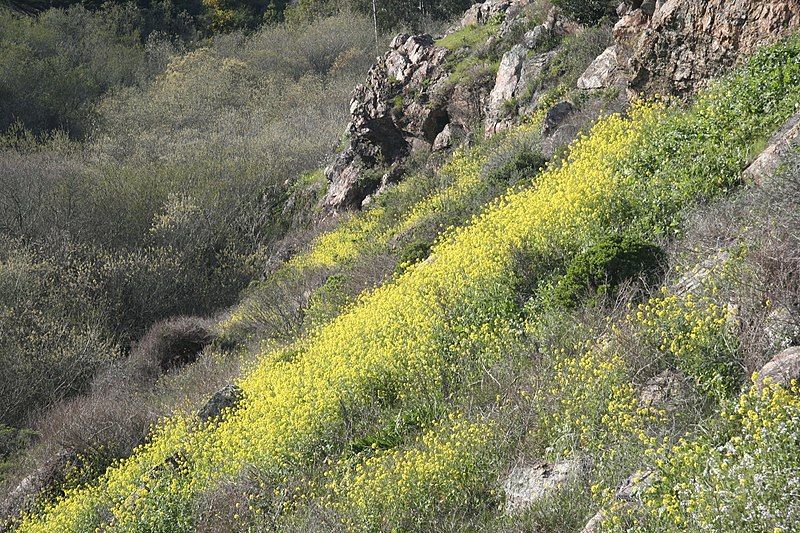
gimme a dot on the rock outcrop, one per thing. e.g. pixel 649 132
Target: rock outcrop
pixel 780 146
pixel 227 397
pixel 390 113
pixel 482 13
pixel 516 76
pixel 783 368
pixel 409 104
pixel 527 484
pixel 688 42
pixel 602 72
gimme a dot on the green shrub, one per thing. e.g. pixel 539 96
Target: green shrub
pixel 604 266
pixel 520 161
pixel 587 11
pixel 57 65
pixel 414 252
pixel 703 152
pixel 471 36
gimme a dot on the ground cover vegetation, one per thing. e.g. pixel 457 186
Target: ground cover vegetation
pixel 525 332
pixel 215 16
pixel 139 182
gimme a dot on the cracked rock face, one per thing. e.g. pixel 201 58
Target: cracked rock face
pixel 389 112
pixel 661 46
pixel 515 79
pixel 527 484
pixel 407 104
pixel 688 42
pixel 601 74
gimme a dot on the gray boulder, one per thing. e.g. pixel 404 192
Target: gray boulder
pixel 481 13
pixel 692 281
pixel 629 492
pixel 595 523
pixel 38 484
pixel 447 137
pixel 227 397
pixel 528 483
pixel 783 368
pixel 602 73
pixel 556 116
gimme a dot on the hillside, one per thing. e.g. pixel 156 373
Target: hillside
pixel 547 282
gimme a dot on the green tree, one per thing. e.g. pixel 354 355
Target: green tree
pixel 587 11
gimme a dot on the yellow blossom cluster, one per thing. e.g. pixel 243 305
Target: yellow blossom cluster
pixel 449 466
pixel 693 331
pixel 373 229
pixel 400 340
pixel 591 405
pixel 742 475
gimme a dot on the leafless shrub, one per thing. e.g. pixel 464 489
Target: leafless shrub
pixel 274 308
pixel 170 344
pixel 763 226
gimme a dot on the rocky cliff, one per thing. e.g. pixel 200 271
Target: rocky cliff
pixel 416 97
pixel 688 42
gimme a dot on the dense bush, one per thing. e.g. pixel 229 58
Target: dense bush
pixel 169 345
pixel 747 464
pixel 174 202
pixel 53 337
pixel 587 11
pixel 56 65
pixel 602 267
pixel 414 252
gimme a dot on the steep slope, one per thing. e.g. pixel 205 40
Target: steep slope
pixel 391 399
